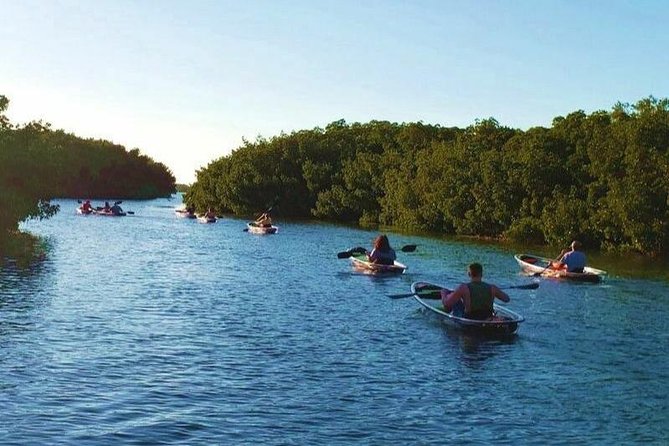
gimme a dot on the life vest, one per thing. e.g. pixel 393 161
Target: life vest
pixel 480 298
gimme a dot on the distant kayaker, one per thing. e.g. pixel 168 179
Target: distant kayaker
pixel 210 213
pixel 382 253
pixel 116 209
pixel 264 220
pixel 573 259
pixel 86 207
pixel 106 208
pixel 475 299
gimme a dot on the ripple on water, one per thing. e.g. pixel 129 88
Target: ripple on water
pixel 164 331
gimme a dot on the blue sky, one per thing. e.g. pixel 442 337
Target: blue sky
pixel 185 81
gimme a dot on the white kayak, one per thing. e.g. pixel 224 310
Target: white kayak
pixel 536 265
pixel 254 228
pixel 183 213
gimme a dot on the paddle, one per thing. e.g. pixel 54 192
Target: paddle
pixel 550 263
pixel 360 250
pixel 529 286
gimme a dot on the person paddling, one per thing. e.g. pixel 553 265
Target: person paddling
pixel 382 253
pixel 116 209
pixel 210 214
pixel 475 299
pixel 572 259
pixel 86 207
pixel 264 220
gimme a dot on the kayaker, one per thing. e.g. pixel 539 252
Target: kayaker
pixel 210 213
pixel 86 207
pixel 572 259
pixel 264 220
pixel 116 209
pixel 106 207
pixel 473 300
pixel 382 253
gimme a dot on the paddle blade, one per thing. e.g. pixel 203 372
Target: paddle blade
pixel 130 212
pixel 343 254
pixel 399 296
pixel 529 286
pixel 408 248
pixel 350 252
pixel 432 294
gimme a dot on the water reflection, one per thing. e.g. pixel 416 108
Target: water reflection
pixel 22 251
pixel 23 266
pixel 156 322
pixel 475 348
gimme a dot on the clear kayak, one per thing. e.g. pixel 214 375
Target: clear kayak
pixel 109 213
pixel 361 262
pixel 185 214
pixel 503 321
pixel 536 265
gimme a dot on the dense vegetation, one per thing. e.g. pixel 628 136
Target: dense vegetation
pixel 602 178
pixel 38 164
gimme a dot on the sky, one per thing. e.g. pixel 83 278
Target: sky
pixel 186 81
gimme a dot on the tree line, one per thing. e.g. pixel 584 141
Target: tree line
pixel 38 164
pixel 602 178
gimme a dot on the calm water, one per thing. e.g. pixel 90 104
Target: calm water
pixel 152 329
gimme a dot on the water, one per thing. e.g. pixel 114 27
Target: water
pixel 151 329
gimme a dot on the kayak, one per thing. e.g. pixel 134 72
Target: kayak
pixel 184 213
pixel 255 229
pixel 503 322
pixel 361 262
pixel 534 264
pixel 203 219
pixel 109 214
pixel 80 211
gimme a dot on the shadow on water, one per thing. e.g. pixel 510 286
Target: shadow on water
pixel 471 348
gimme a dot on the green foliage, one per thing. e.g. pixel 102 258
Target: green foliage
pixel 602 178
pixel 38 164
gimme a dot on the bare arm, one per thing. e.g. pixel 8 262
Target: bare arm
pixel 450 299
pixel 499 294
